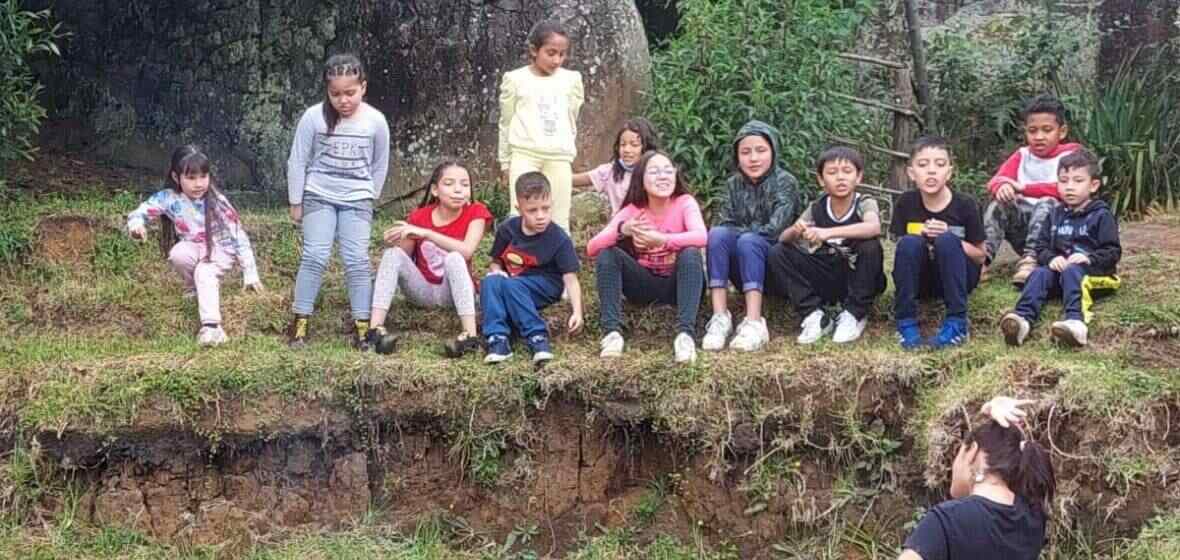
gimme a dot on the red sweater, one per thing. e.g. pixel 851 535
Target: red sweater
pixel 1037 175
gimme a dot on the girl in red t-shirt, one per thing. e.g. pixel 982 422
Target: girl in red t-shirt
pixel 428 257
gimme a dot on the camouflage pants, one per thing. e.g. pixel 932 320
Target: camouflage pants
pixel 1018 223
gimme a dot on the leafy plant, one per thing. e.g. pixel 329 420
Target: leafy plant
pixel 1133 126
pixel 23 35
pixel 736 60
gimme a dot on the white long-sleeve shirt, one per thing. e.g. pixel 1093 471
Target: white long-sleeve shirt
pixel 539 114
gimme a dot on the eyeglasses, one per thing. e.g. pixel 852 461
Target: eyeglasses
pixel 653 171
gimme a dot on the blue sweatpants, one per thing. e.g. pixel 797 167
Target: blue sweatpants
pixel 514 302
pixel 922 269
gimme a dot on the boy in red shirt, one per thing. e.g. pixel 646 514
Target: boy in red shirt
pixel 1024 190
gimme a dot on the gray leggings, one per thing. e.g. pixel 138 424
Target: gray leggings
pixel 618 274
pixel 398 270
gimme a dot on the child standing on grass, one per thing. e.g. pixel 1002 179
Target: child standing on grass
pixel 539 106
pixel 532 261
pixel 1078 251
pixel 939 246
pixel 429 257
pixel 337 168
pixel 651 252
pixel 833 252
pixel 202 236
pixel 613 179
pixel 1024 189
pixel 760 200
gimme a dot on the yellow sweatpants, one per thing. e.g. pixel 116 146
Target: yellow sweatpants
pixel 561 182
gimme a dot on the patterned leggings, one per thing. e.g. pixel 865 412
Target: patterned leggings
pixel 398 270
pixel 1018 223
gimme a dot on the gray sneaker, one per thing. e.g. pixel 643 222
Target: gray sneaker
pixel 1070 332
pixel 1015 329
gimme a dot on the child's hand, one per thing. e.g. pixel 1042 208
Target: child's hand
pixel 575 322
pixel 816 235
pixel 934 228
pixel 256 287
pixel 1078 258
pixel 137 233
pixel 649 238
pixel 1006 410
pixel 1058 264
pixel 1007 192
pixel 296 211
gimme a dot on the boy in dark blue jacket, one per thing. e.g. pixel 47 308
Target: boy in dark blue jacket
pixel 1077 252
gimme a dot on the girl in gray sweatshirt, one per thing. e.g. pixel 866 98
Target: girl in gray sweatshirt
pixel 338 163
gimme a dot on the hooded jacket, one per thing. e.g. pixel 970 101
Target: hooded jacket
pixel 1091 231
pixel 766 206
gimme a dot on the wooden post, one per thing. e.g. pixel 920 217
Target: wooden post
pixel 918 52
pixel 904 131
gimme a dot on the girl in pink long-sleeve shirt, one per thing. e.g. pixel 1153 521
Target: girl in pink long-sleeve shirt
pixel 650 252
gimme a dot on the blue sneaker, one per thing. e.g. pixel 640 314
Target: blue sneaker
pixel 908 334
pixel 542 352
pixel 498 349
pixel 953 333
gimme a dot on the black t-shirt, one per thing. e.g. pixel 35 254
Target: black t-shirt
pixel 976 528
pixel 961 215
pixel 550 252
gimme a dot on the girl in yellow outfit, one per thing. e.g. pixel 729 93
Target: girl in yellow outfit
pixel 539 106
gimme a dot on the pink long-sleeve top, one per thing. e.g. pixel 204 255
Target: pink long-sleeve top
pixel 681 222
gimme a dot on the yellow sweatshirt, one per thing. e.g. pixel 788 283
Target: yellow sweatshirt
pixel 539 114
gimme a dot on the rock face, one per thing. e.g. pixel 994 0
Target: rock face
pixel 137 78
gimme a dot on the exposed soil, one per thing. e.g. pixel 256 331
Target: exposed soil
pixel 66 239
pixel 571 470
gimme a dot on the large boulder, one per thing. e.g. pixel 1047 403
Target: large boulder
pixel 137 78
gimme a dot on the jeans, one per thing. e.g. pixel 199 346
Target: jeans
pixel 923 269
pixel 349 225
pixel 738 257
pixel 618 274
pixel 1045 283
pixel 825 278
pixel 514 302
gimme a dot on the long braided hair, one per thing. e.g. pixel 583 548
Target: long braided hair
pixel 345 64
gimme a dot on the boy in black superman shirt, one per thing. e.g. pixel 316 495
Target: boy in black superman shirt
pixel 533 260
pixel 1077 251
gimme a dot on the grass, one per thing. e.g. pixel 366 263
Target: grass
pixel 104 345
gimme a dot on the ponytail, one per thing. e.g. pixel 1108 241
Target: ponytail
pixel 337 66
pixel 1036 481
pixel 1024 465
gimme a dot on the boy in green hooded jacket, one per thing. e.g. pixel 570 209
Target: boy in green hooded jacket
pixel 760 200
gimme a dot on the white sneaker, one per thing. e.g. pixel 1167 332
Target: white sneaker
pixel 814 327
pixel 848 327
pixel 717 332
pixel 751 336
pixel 611 345
pixel 211 336
pixel 1015 329
pixel 1071 332
pixel 685 349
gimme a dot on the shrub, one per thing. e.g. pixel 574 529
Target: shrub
pixel 772 60
pixel 23 35
pixel 1133 125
